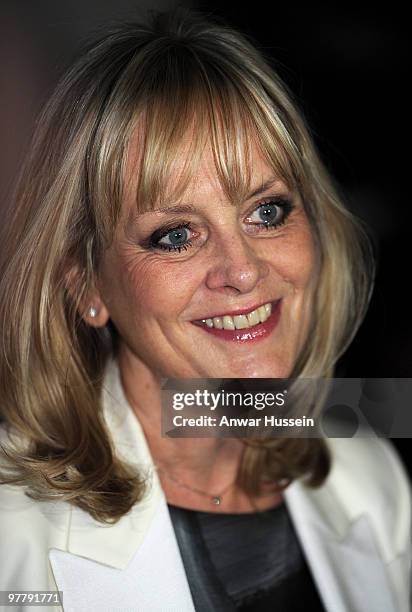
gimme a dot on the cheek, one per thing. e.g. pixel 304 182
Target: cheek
pixel 150 287
pixel 295 259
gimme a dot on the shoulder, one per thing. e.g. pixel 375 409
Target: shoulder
pixel 14 501
pixel 370 466
pixel 368 478
pixel 28 528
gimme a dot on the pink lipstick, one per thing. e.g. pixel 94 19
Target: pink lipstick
pixel 251 334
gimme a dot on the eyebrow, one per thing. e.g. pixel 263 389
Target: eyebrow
pixel 189 208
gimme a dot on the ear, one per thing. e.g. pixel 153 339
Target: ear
pixel 91 307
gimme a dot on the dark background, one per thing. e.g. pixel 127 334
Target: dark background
pixel 347 67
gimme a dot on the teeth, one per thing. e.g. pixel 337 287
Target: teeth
pixel 260 315
pixel 253 318
pixel 241 321
pixel 228 322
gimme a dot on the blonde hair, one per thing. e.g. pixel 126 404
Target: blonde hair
pixel 173 72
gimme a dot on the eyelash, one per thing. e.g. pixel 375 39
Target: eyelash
pixel 153 243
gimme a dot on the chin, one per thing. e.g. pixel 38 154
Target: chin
pixel 254 369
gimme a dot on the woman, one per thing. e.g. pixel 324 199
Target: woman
pixel 174 220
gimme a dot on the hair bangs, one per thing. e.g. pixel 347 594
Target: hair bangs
pixel 194 106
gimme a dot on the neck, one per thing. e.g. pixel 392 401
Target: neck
pixel 211 463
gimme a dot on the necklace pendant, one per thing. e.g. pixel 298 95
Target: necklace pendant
pixel 216 499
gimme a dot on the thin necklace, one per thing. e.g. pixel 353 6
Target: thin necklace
pixel 215 499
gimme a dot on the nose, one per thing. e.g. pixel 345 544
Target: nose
pixel 237 268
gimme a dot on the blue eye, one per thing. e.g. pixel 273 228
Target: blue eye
pixel 271 213
pixel 173 239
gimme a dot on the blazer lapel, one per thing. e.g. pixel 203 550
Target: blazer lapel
pixel 135 563
pixel 154 579
pixel 343 555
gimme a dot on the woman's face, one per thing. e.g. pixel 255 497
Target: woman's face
pixel 186 286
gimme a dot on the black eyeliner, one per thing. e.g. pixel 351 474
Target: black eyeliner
pixel 285 204
pixel 152 240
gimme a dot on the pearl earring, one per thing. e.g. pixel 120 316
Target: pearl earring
pixel 92 312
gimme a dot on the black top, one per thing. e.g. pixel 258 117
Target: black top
pixel 249 562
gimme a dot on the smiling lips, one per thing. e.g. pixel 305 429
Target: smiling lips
pixel 245 327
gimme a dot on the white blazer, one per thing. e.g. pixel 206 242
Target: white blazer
pixel 354 530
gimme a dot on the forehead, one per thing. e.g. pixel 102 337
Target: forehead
pixel 193 168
